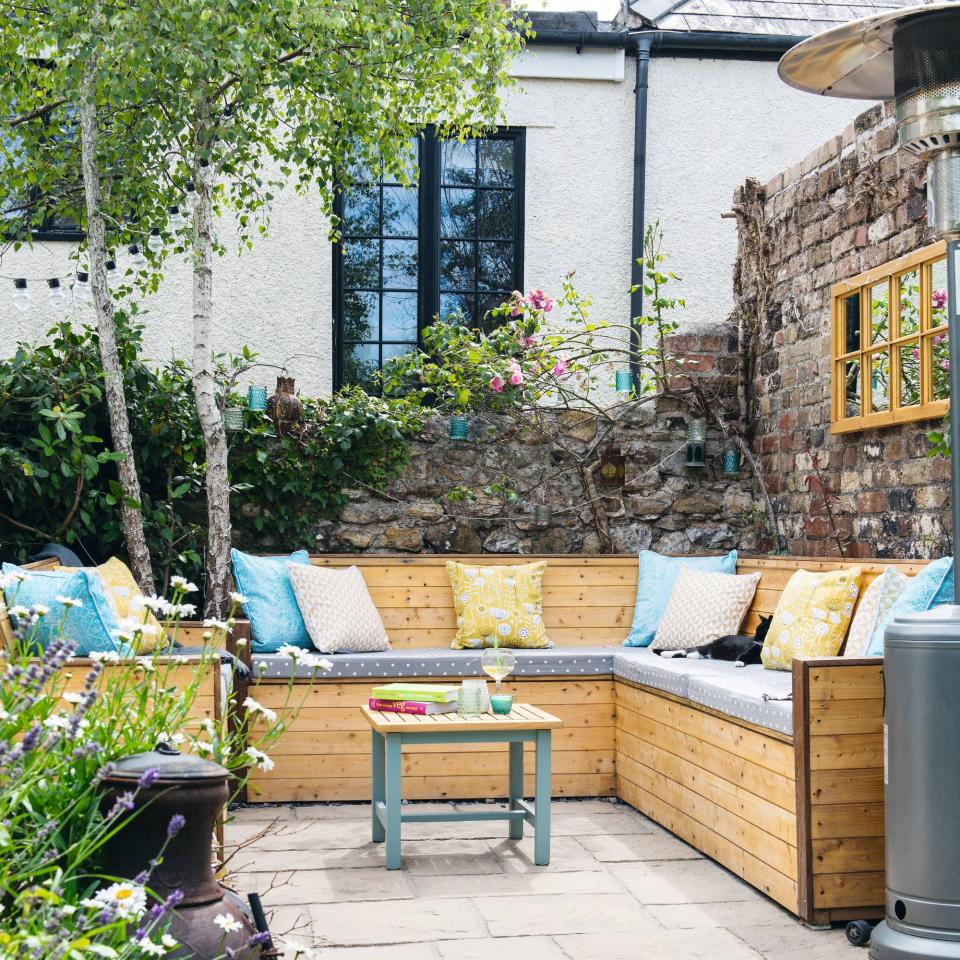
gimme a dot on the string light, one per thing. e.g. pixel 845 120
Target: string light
pixel 113 274
pixel 190 199
pixel 81 287
pixel 155 241
pixel 175 219
pixel 55 293
pixel 21 295
pixel 137 260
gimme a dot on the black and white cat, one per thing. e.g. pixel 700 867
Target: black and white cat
pixel 738 648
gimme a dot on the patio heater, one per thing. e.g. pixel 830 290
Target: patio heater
pixel 913 56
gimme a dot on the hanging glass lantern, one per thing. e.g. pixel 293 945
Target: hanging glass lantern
pixel 624 381
pixel 459 427
pixel 731 459
pixel 697 443
pixel 542 515
pixel 285 407
pixel 613 467
pixel 257 396
pixel 233 419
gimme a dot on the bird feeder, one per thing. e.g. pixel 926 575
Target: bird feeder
pixel 613 467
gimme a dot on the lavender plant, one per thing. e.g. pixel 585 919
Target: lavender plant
pixel 63 723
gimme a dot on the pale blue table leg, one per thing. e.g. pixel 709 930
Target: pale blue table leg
pixel 516 787
pixel 393 801
pixel 541 801
pixel 378 792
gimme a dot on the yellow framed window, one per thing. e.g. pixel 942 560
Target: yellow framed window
pixel 890 350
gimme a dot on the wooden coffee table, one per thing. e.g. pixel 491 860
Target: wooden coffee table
pixel 524 724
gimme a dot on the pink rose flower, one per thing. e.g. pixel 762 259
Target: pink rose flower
pixel 944 364
pixel 497 384
pixel 939 299
pixel 516 374
pixel 916 354
pixel 938 339
pixel 539 301
pixel 559 368
pixel 517 303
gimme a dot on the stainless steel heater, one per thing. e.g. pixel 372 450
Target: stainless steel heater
pixel 913 56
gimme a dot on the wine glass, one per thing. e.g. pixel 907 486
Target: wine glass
pixel 497 663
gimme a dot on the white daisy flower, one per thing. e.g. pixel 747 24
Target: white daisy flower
pixel 224 626
pixel 181 610
pixel 259 759
pixel 129 900
pixel 203 746
pixel 237 597
pixel 19 610
pixel 150 948
pixel 254 707
pixel 3 714
pixel 182 583
pixel 41 609
pixel 57 721
pixel 168 941
pixel 68 601
pixel 227 922
pixel 105 656
pixel 72 696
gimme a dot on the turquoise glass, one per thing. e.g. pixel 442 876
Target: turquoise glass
pixel 501 703
pixel 624 381
pixel 459 428
pixel 257 396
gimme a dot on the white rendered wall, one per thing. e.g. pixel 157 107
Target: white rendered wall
pixel 712 124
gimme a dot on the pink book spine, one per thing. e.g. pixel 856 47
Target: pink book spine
pixel 397 706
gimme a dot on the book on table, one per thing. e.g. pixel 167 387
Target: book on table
pixel 416 692
pixel 419 707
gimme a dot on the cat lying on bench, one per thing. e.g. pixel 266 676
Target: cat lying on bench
pixel 737 648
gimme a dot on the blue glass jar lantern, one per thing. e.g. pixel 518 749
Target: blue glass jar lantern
pixel 624 381
pixel 257 396
pixel 233 419
pixel 731 459
pixel 459 427
pixel 697 443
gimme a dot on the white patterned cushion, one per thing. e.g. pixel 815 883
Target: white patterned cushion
pixel 704 607
pixel 338 610
pixel 875 604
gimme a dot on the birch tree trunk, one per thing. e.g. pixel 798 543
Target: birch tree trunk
pixel 131 515
pixel 204 390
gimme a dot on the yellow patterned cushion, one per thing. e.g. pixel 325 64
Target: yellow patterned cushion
pixel 498 606
pixel 812 616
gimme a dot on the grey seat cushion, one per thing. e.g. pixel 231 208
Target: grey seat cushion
pixel 671 675
pixel 443 662
pixel 750 693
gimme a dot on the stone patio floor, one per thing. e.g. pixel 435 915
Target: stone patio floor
pixel 618 887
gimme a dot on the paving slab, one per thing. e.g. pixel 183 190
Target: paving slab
pixel 301 887
pixel 549 915
pixel 507 948
pixel 517 884
pixel 658 945
pixel 630 847
pixel 681 881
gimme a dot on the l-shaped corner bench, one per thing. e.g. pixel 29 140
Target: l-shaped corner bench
pixel 777 776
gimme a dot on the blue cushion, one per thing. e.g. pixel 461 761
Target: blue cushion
pixel 930 588
pixel 654 584
pixel 92 626
pixel 271 606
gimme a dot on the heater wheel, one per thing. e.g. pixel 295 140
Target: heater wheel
pixel 858 932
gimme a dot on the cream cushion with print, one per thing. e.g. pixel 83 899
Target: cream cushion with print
pixel 338 610
pixel 874 606
pixel 812 616
pixel 498 606
pixel 703 607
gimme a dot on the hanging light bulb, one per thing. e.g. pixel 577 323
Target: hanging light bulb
pixel 175 219
pixel 81 286
pixel 21 295
pixel 190 198
pixel 155 241
pixel 113 274
pixel 205 171
pixel 55 293
pixel 137 260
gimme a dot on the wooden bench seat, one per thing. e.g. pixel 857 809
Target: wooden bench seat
pixel 797 812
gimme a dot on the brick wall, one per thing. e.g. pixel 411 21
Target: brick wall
pixel 855 203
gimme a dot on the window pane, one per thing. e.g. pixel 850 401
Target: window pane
pixel 410 166
pixel 909 374
pixel 360 363
pixel 909 296
pixel 879 313
pixel 496 266
pixel 458 162
pixel 496 214
pixel 940 369
pixel 880 381
pixel 361 212
pixel 938 294
pixel 851 373
pixel 456 265
pixel 361 263
pixel 496 163
pixel 458 217
pixel 851 323
pixel 489 302
pixel 400 214
pixel 454 303
pixel 391 350
pixel 399 316
pixel 361 319
pixel 400 264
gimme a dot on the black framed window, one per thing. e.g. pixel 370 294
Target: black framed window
pixel 453 244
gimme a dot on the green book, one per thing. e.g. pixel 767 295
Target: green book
pixel 424 692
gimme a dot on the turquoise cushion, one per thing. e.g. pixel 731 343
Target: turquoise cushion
pixel 92 627
pixel 271 607
pixel 655 583
pixel 930 588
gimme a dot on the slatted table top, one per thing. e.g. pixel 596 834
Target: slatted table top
pixel 523 716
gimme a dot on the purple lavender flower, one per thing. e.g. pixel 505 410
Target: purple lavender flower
pixel 176 824
pixel 259 938
pixel 123 804
pixel 173 899
pixel 148 778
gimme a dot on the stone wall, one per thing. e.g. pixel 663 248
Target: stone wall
pixel 854 204
pixel 665 505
